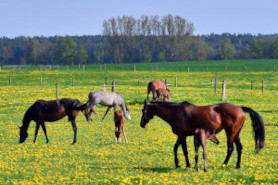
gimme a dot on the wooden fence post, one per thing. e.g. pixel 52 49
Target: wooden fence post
pixel 113 86
pixel 215 86
pixel 176 83
pixel 188 69
pixel 10 81
pixel 139 83
pixel 224 95
pixel 57 90
pixel 41 81
pixel 251 84
pixel 262 86
pixel 84 67
pixel 134 68
pixel 211 83
pixel 166 83
pixel 72 82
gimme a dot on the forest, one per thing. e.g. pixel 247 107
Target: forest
pixel 129 40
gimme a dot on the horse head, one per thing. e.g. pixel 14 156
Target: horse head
pixel 22 134
pixel 84 108
pixel 146 116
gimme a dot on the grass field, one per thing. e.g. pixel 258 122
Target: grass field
pixel 148 157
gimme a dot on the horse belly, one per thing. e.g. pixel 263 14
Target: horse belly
pixel 54 116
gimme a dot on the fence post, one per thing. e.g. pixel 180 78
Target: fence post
pixel 215 86
pixel 10 81
pixel 211 83
pixel 113 86
pixel 166 83
pixel 139 83
pixel 41 81
pixel 105 66
pixel 134 68
pixel 224 95
pixel 72 82
pixel 262 86
pixel 83 67
pixel 188 69
pixel 176 83
pixel 251 84
pixel 57 90
pixel 0 68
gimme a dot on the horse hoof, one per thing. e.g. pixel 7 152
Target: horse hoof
pixel 178 166
pixel 237 167
pixel 205 170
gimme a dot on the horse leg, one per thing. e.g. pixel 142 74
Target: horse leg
pixel 203 143
pixel 74 131
pixel 36 131
pixel 124 135
pixel 229 151
pixel 239 151
pixel 44 130
pixel 106 113
pixel 196 145
pixel 185 152
pixel 178 142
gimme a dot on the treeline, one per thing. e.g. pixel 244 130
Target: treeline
pixel 127 40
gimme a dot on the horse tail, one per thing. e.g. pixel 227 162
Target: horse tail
pixel 258 127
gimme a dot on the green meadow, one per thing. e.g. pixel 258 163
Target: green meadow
pixel 148 156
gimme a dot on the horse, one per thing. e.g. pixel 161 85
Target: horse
pixel 185 118
pixel 200 138
pixel 163 94
pixel 153 86
pixel 119 124
pixel 42 111
pixel 110 99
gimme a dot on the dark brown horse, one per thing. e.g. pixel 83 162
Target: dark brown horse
pixel 200 138
pixel 163 94
pixel 54 110
pixel 119 124
pixel 153 86
pixel 185 118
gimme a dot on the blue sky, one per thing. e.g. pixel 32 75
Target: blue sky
pixel 85 17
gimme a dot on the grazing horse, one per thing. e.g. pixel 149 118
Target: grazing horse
pixel 110 99
pixel 153 86
pixel 53 110
pixel 163 94
pixel 185 118
pixel 119 124
pixel 200 138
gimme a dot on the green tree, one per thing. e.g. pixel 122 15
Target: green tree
pixel 258 48
pixel 65 51
pixel 227 50
pixel 82 55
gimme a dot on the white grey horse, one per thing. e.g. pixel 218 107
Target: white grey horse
pixel 110 99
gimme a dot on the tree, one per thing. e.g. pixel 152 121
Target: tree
pixel 65 51
pixel 82 55
pixel 227 50
pixel 33 52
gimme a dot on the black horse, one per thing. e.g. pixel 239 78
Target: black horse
pixel 53 110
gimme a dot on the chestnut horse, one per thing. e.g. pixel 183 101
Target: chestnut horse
pixel 53 110
pixel 163 94
pixel 200 138
pixel 119 124
pixel 153 86
pixel 185 118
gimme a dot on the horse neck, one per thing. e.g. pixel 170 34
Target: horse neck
pixel 165 112
pixel 26 120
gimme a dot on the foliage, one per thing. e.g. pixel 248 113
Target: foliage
pixel 148 157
